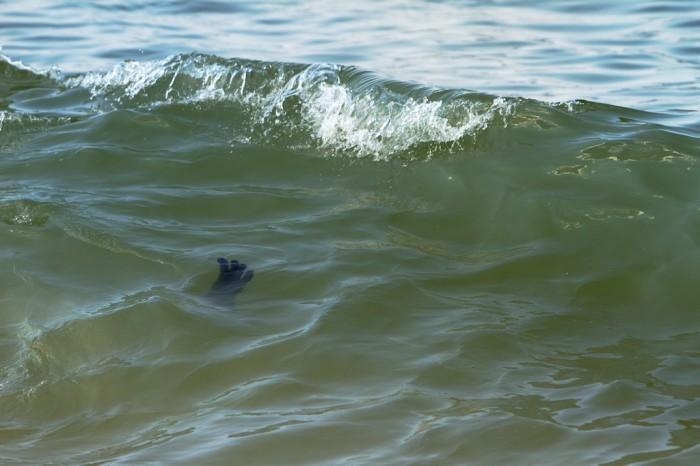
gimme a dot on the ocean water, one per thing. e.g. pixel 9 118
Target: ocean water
pixel 474 226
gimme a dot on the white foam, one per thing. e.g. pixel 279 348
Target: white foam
pixel 130 77
pixel 380 128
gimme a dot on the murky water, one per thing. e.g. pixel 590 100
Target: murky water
pixel 474 228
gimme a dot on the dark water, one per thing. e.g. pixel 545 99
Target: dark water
pixel 474 228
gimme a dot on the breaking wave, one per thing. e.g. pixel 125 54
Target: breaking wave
pixel 338 110
pixel 344 109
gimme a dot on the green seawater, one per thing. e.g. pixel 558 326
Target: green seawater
pixel 442 275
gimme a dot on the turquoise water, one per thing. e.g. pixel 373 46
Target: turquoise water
pixel 474 228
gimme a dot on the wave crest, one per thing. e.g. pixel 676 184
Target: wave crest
pixel 335 108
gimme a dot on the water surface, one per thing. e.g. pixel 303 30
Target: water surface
pixel 474 228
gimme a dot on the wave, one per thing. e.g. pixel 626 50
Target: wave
pixel 344 109
pixel 335 109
